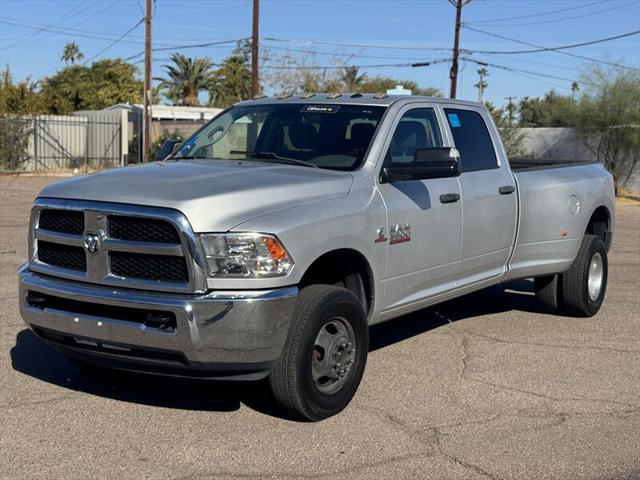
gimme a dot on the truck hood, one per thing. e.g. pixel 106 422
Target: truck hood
pixel 215 195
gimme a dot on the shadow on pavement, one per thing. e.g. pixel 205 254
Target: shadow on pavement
pixel 32 356
pixel 516 295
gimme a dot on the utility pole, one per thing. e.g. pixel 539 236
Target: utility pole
pixel 482 84
pixel 255 81
pixel 510 109
pixel 453 74
pixel 146 122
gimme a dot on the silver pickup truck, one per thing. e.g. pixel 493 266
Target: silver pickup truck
pixel 268 242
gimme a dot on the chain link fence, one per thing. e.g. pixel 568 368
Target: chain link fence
pixel 48 143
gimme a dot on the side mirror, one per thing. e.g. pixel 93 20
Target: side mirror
pixel 168 147
pixel 438 162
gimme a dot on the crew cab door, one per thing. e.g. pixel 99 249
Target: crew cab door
pixel 489 197
pixel 423 233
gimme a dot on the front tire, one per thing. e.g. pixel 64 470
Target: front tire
pixel 325 353
pixel 585 283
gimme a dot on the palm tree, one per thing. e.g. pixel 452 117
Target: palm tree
pixel 231 82
pixel 482 84
pixel 574 88
pixel 351 79
pixel 187 77
pixel 71 53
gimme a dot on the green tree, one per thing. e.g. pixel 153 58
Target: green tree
pixel 382 84
pixel 608 120
pixel 186 78
pixel 351 78
pixel 231 81
pixel 20 97
pixel 164 136
pixel 71 53
pixel 552 110
pixel 101 85
pixel 512 137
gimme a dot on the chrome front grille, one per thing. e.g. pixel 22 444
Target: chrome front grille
pixel 121 245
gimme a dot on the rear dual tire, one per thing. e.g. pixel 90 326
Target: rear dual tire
pixel 579 291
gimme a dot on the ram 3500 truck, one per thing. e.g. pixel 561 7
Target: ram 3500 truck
pixel 268 242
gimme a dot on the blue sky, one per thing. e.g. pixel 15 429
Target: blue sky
pixel 34 32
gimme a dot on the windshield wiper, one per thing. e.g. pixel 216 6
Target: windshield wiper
pixel 274 157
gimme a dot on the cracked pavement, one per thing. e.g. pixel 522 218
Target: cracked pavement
pixel 488 386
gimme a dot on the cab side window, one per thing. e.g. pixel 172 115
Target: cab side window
pixel 418 128
pixel 472 140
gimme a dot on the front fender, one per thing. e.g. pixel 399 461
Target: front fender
pixel 309 231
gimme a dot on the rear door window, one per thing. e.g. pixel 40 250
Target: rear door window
pixel 472 139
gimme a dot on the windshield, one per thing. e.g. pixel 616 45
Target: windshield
pixel 319 135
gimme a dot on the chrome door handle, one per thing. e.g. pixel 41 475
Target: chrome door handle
pixel 449 197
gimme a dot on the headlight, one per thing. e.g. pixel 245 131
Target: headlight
pixel 251 255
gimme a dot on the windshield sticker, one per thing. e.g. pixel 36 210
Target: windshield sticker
pixel 454 121
pixel 320 108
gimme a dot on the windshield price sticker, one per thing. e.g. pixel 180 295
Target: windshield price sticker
pixel 320 108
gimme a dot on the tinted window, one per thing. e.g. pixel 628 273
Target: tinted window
pixel 472 140
pixel 418 128
pixel 329 136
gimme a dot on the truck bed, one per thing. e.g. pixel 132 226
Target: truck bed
pixel 556 201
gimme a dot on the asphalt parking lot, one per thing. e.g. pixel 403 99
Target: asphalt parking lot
pixel 487 386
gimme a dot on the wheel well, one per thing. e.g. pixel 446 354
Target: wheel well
pixel 600 225
pixel 347 268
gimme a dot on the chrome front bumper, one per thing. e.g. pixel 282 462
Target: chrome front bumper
pixel 217 334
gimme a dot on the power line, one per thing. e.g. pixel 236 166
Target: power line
pixel 338 67
pixel 193 45
pixel 343 54
pixel 530 72
pixel 68 32
pixel 69 29
pixel 572 17
pixel 554 49
pixel 355 45
pixel 116 40
pixel 545 49
pixel 520 17
pixel 84 33
pixel 58 20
